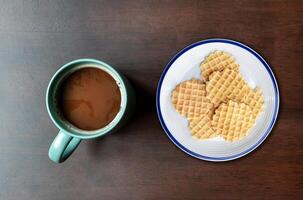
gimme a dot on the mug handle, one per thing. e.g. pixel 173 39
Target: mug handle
pixel 62 147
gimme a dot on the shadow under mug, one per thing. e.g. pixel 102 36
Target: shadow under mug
pixel 69 136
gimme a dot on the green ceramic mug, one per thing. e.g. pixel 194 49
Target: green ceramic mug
pixel 70 136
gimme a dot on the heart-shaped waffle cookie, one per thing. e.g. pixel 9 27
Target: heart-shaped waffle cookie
pixel 189 99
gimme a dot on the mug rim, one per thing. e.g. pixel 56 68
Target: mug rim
pixel 81 133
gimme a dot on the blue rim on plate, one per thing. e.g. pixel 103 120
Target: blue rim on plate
pixel 265 134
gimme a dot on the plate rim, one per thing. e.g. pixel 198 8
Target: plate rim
pixel 266 132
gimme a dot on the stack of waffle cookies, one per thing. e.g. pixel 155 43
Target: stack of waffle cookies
pixel 221 103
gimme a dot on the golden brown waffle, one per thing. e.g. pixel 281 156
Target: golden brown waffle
pixel 237 104
pixel 226 85
pixel 239 89
pixel 189 99
pixel 201 128
pixel 254 99
pixel 232 120
pixel 217 61
pixel 216 73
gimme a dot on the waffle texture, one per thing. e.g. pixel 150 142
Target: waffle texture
pixel 217 61
pixel 254 99
pixel 189 99
pixel 201 128
pixel 226 85
pixel 232 120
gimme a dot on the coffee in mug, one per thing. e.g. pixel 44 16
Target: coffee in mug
pixel 89 98
pixel 86 99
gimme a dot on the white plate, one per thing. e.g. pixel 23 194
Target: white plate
pixel 184 66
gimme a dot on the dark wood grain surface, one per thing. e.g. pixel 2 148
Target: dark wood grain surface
pixel 139 38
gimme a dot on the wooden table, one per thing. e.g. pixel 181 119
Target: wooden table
pixel 139 38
